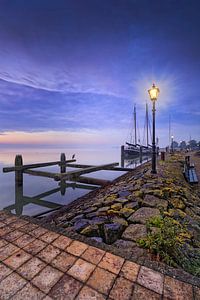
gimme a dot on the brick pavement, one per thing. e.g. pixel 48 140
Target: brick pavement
pixel 36 263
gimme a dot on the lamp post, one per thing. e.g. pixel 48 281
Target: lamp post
pixel 172 144
pixel 153 93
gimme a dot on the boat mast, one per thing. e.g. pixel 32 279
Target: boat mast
pixel 147 124
pixel 135 124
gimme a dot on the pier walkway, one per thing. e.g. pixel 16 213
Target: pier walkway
pixel 37 263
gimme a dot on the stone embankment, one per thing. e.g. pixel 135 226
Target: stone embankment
pixel 145 217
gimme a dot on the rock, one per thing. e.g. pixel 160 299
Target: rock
pixel 177 203
pixel 138 253
pixel 112 212
pixel 90 210
pixel 120 221
pixel 112 232
pixel 152 201
pixel 126 212
pixel 103 209
pixel 78 217
pixel 91 230
pixel 126 245
pixel 92 215
pixel 134 232
pixel 124 193
pixel 116 206
pixel 122 200
pixel 175 213
pixel 97 239
pixel 133 205
pixel 81 224
pixel 143 214
pixel 98 220
pixel 138 194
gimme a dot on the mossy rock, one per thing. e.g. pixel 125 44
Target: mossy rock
pixel 121 221
pixel 91 230
pixel 116 206
pixel 110 199
pixel 175 213
pixel 138 194
pixel 177 203
pixel 113 212
pixel 126 212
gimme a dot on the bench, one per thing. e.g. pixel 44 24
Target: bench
pixel 189 171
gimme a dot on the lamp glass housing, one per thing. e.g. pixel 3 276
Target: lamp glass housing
pixel 154 92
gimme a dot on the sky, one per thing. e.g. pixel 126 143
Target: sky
pixel 72 71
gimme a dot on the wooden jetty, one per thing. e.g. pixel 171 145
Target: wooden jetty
pixel 67 179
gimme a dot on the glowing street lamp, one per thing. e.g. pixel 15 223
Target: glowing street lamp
pixel 172 137
pixel 153 93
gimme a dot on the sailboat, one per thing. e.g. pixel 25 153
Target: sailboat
pixel 135 149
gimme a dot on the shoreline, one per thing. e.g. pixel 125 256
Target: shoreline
pixel 88 200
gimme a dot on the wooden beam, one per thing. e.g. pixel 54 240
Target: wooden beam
pixel 71 175
pixel 91 180
pixel 33 166
pixel 109 169
pixel 75 185
pixel 41 173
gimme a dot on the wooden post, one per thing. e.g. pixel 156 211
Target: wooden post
pixel 18 173
pixel 140 154
pixel 122 156
pixel 62 163
pixel 62 187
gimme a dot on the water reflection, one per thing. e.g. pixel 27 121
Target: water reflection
pixel 22 200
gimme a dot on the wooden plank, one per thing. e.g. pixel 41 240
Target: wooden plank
pixel 33 166
pixel 41 173
pixel 74 174
pixel 91 180
pixel 109 169
pixel 75 185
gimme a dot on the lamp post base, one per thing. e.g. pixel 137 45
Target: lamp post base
pixel 153 172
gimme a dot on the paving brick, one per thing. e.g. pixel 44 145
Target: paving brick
pixel 81 270
pixel 122 289
pixel 3 243
pixel 24 240
pixel 62 242
pixel 47 278
pixel 48 253
pixel 10 285
pixel 5 230
pixel 29 227
pixel 151 279
pixel 141 293
pixel 76 248
pixel 88 293
pixel 29 292
pixel 49 237
pixel 31 268
pixel 196 293
pixel 7 251
pixel 10 219
pixel 17 259
pixel 111 263
pixel 93 255
pixel 19 223
pixel 35 247
pixel 13 235
pixel 66 288
pixel 130 270
pixel 101 280
pixel 2 224
pixel 38 232
pixel 4 271
pixel 63 261
pixel 175 289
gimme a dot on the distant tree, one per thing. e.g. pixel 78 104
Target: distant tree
pixel 193 144
pixel 183 145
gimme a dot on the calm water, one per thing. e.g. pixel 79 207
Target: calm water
pixel 26 201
